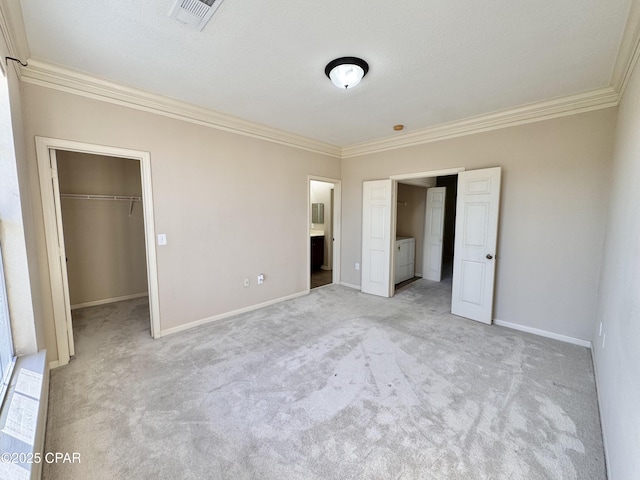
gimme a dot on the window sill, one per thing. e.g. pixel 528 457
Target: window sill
pixel 23 419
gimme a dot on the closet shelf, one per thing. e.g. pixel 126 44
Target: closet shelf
pixel 80 196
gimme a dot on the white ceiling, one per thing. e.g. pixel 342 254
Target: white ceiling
pixel 431 62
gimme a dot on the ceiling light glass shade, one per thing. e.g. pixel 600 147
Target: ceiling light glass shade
pixel 346 72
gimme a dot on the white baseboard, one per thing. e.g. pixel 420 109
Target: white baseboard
pixel 109 300
pixel 222 316
pixel 544 333
pixel 602 425
pixel 350 285
pixel 325 267
pixel 54 364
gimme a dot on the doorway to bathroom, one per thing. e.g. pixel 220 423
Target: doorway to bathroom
pixel 323 231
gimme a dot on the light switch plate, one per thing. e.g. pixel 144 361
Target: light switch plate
pixel 162 239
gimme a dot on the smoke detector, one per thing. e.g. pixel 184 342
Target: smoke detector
pixel 194 13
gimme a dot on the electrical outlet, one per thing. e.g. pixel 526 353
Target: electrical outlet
pixel 246 282
pixel 260 278
pixel 357 266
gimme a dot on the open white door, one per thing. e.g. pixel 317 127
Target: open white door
pixel 475 244
pixel 377 200
pixel 64 301
pixel 433 234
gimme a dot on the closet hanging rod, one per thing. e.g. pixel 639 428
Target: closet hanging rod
pixel 80 196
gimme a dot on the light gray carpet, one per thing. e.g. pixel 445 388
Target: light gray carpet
pixel 333 385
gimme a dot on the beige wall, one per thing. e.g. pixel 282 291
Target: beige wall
pixel 411 208
pixel 16 222
pixel 618 363
pixel 231 206
pixel 553 204
pixel 104 240
pixel 219 192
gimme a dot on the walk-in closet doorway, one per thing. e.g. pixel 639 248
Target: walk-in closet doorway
pixel 98 212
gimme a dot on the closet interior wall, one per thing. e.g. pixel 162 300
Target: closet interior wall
pixel 410 218
pixel 104 239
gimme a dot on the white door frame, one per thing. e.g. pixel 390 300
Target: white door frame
pixel 430 173
pixel 336 227
pixel 52 223
pixel 394 213
pixel 62 255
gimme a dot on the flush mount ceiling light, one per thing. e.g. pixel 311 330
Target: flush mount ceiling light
pixel 346 72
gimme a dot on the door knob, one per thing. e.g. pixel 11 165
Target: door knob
pixel 489 256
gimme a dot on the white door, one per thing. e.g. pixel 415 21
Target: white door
pixel 63 291
pixel 433 234
pixel 475 244
pixel 377 200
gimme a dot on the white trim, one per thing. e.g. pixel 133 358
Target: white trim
pixel 350 285
pixel 62 265
pixel 431 173
pixel 105 301
pixel 222 316
pixel 58 78
pixel 43 146
pixel 54 364
pixel 544 333
pixel 535 112
pixel 47 197
pixel 65 80
pixel 628 52
pixel 605 444
pixel 150 242
pixel 13 33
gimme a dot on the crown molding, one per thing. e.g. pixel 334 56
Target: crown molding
pixel 629 50
pixel 66 80
pixel 534 112
pixel 58 78
pixel 70 81
pixel 8 48
pixel 13 31
pixel 628 56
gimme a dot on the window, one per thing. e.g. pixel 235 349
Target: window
pixel 6 345
pixel 7 177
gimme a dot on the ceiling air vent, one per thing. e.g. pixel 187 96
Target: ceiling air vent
pixel 194 13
